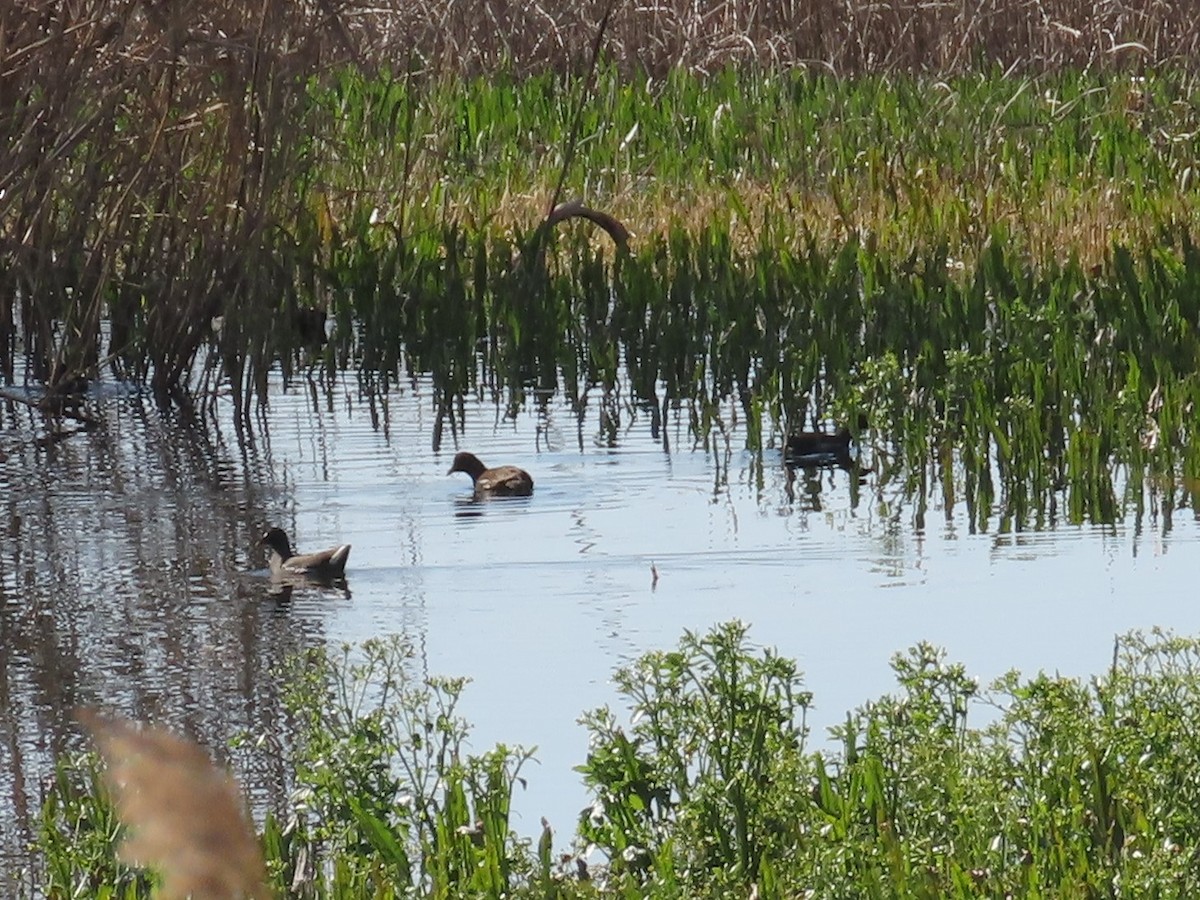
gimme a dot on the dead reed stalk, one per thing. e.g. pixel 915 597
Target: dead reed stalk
pixel 185 817
pixel 845 38
pixel 148 155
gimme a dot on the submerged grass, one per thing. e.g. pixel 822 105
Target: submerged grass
pixel 1067 788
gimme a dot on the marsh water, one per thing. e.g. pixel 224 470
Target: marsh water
pixel 130 578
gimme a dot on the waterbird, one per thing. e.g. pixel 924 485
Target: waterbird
pixel 502 481
pixel 819 443
pixel 310 325
pixel 822 444
pixel 329 563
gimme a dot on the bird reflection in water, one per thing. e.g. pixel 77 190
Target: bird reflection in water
pixel 812 453
pixel 473 506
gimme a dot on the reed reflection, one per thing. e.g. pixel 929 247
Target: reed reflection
pixel 123 586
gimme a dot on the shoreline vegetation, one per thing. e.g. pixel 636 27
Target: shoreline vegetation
pixel 194 192
pixel 998 270
pixel 1068 788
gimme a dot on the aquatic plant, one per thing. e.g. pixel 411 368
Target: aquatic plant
pixel 703 787
pixel 803 247
pixel 154 250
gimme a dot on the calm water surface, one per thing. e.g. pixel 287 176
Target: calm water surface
pixel 130 579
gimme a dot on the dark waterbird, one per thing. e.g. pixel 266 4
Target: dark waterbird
pixel 502 481
pixel 816 446
pixel 310 326
pixel 817 443
pixel 329 563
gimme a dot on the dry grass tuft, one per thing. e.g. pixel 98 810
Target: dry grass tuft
pixel 845 37
pixel 1059 222
pixel 185 816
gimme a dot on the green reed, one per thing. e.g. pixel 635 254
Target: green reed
pixel 1015 365
pixel 1018 320
pixel 895 143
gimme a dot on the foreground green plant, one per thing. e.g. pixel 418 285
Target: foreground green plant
pixel 703 788
pixel 78 834
pixel 1071 789
pixel 387 798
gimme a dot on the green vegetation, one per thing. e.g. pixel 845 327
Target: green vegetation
pixel 981 253
pixel 1067 789
pixel 808 247
pixel 386 789
pixel 804 247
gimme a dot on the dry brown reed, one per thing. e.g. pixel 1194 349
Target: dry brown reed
pixel 846 37
pixel 1083 222
pixel 146 154
pixel 185 817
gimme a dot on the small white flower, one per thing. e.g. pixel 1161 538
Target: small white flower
pixel 596 816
